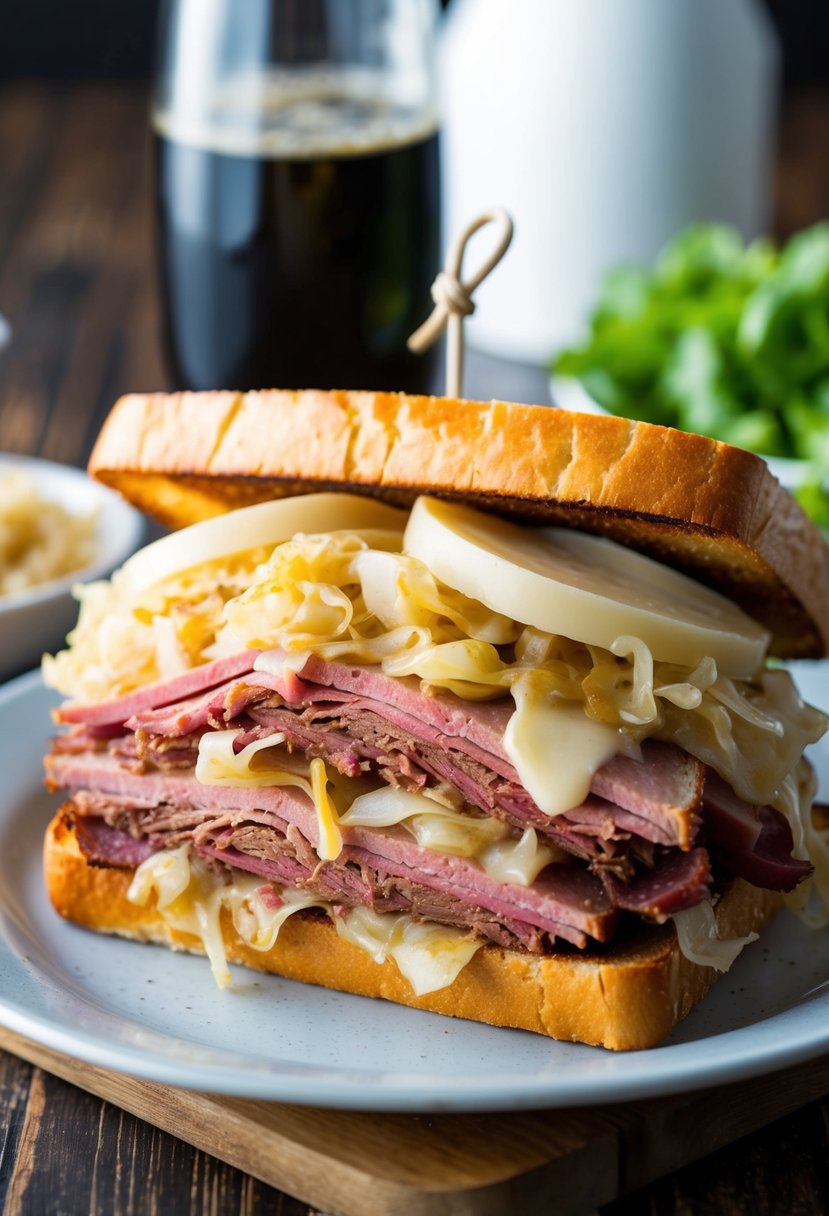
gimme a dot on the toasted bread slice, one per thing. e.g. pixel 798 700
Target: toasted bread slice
pixel 625 998
pixel 710 509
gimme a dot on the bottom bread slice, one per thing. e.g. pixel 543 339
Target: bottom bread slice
pixel 625 998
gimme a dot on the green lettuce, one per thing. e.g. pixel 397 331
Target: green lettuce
pixel 724 339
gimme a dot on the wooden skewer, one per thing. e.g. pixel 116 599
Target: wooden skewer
pixel 453 296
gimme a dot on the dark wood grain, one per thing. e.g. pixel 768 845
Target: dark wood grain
pixel 76 283
pixel 782 1169
pixel 65 1151
pixel 368 1163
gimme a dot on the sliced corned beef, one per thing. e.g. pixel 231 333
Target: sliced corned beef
pixel 103 845
pixel 678 881
pixel 753 842
pixel 196 679
pixel 130 761
pixel 351 715
pixel 565 901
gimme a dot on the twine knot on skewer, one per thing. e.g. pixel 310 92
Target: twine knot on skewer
pixel 453 296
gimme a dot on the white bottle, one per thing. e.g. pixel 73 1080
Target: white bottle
pixel 603 126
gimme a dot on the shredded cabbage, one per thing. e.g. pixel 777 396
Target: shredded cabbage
pixel 429 956
pixel 118 643
pixel 699 941
pixel 810 899
pixel 190 896
pixel 356 598
pixel 495 846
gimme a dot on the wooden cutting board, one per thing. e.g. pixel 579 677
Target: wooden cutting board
pixel 370 1164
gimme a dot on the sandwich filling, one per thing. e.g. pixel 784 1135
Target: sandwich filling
pixel 441 731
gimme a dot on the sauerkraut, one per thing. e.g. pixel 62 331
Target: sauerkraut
pixel 338 597
pixel 39 539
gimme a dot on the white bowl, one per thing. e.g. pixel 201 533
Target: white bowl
pixel 37 620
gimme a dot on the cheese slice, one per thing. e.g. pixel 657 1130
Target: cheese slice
pixel 266 523
pixel 582 587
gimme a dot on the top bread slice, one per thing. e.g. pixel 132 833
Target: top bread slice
pixel 705 507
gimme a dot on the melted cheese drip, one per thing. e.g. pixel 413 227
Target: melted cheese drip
pixel 429 956
pixel 330 839
pixel 555 747
pixel 258 913
pixel 218 764
pixel 190 897
pixel 699 940
pixel 444 830
pixel 519 861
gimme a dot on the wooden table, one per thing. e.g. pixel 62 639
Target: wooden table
pixel 77 285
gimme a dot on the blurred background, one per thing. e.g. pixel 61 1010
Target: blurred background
pixel 617 126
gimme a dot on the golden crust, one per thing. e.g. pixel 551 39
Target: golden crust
pixel 625 999
pixel 711 509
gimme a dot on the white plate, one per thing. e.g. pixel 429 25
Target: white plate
pixel 38 619
pixel 145 1011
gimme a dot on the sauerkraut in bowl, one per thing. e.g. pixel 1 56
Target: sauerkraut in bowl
pixel 57 528
pixel 40 540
